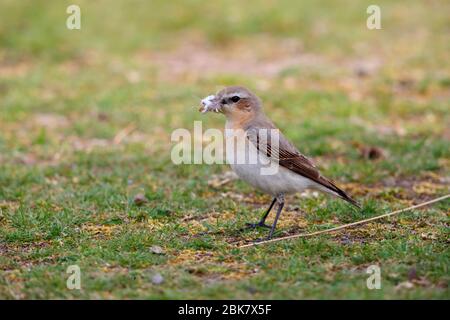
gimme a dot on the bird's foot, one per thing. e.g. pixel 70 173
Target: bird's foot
pixel 256 225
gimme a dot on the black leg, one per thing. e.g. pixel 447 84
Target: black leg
pixel 262 223
pixel 280 208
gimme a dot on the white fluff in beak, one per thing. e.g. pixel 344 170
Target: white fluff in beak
pixel 207 103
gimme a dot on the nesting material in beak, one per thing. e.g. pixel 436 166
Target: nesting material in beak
pixel 208 104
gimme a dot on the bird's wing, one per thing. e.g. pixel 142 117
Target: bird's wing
pixel 290 158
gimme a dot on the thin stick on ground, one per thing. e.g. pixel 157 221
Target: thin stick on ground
pixel 122 134
pixel 304 235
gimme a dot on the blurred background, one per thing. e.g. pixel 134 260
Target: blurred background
pixel 147 64
pixel 86 117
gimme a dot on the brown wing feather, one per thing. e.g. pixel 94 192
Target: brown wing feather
pixel 289 157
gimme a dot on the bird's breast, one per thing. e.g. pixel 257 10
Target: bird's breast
pixel 257 169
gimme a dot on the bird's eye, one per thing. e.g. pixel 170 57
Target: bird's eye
pixel 235 99
pixel 223 101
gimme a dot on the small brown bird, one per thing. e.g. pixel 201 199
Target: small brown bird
pixel 252 134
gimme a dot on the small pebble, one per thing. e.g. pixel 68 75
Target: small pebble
pixel 156 250
pixel 157 279
pixel 140 199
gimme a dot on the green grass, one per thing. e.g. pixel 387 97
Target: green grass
pixel 67 190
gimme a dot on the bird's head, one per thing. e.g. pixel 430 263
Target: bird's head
pixel 235 102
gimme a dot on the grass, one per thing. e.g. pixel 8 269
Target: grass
pixel 337 90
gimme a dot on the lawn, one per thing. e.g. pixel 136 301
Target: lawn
pixel 86 176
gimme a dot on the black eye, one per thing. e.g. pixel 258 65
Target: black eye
pixel 235 98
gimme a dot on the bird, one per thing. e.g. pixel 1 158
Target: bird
pixel 249 134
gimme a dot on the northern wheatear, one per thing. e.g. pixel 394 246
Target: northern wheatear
pixel 246 121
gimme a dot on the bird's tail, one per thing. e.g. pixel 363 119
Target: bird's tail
pixel 351 201
pixel 331 186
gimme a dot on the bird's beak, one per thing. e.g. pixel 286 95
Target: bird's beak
pixel 210 103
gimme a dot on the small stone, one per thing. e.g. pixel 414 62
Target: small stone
pixel 101 116
pixel 157 279
pixel 140 199
pixel 372 153
pixel 405 285
pixel 156 250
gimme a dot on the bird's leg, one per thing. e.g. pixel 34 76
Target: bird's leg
pixel 280 200
pixel 262 223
